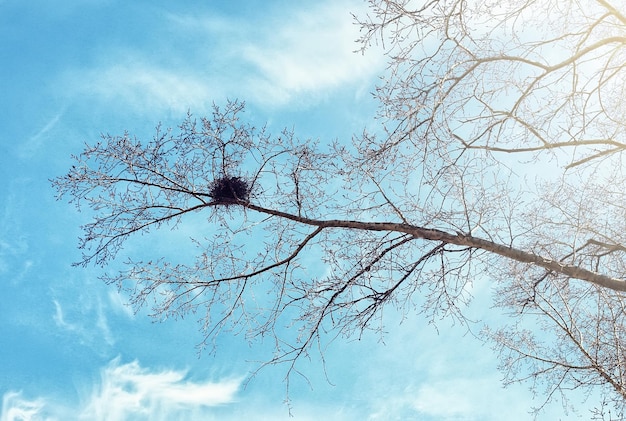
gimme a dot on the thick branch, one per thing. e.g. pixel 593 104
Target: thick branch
pixel 460 240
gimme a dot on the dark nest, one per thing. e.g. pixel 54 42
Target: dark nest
pixel 229 190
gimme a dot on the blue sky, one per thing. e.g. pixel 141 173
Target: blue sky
pixel 70 347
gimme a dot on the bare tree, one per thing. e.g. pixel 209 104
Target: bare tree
pixel 517 110
pixel 498 157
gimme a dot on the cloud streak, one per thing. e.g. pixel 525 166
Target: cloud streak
pixel 17 408
pixel 310 55
pixel 33 143
pixel 129 391
pixel 140 85
pixel 291 57
pixel 92 325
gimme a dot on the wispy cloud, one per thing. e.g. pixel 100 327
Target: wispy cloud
pixel 17 408
pixel 129 391
pixel 34 142
pixel 292 56
pixel 309 55
pixel 90 323
pixel 14 244
pixel 116 300
pixel 462 398
pixel 59 318
pixel 137 84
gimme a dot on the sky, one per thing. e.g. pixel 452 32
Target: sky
pixel 70 346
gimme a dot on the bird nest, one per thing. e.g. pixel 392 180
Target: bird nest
pixel 229 190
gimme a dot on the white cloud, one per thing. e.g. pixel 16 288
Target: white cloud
pixel 455 398
pixel 138 84
pixel 131 392
pixel 16 408
pixel 59 319
pixel 14 245
pixel 33 143
pixel 119 305
pixel 91 325
pixel 286 57
pixel 459 399
pixel 311 53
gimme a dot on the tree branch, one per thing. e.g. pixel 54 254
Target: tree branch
pixel 460 240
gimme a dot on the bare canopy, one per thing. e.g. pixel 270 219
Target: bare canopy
pixel 498 157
